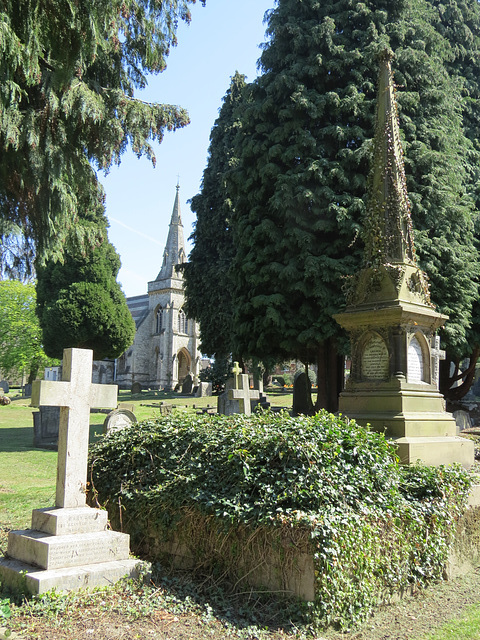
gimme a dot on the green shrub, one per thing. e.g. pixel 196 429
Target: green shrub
pixel 373 527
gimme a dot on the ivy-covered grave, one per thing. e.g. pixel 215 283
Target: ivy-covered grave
pixel 313 507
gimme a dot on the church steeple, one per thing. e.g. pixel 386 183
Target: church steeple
pixel 174 252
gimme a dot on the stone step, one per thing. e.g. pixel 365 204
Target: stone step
pixel 53 552
pixel 23 576
pixel 58 521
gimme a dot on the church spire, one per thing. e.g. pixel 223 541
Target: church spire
pixel 174 253
pixel 388 225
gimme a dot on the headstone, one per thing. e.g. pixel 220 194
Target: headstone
pixel 237 396
pixel 204 390
pixel 46 427
pixel 302 397
pixel 69 546
pixel 136 388
pixel 27 390
pixel 117 420
pixel 463 420
pixel 5 386
pixel 187 384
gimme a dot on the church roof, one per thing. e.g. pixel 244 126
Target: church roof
pixel 174 253
pixel 138 307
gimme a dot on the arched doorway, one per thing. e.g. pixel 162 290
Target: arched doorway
pixel 184 364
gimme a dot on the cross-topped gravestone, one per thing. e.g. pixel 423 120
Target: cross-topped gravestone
pixel 436 354
pixel 241 391
pixel 76 395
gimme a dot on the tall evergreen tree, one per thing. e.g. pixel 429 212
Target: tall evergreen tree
pixel 304 152
pixel 208 282
pixel 68 73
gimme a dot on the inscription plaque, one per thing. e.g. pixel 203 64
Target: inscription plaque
pixel 415 361
pixel 375 360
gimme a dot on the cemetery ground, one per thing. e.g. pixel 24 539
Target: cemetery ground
pixel 174 606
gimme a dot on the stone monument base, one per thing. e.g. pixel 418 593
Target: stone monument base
pixel 67 549
pixel 411 415
pixel 435 451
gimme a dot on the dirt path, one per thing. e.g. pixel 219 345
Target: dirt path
pixel 410 619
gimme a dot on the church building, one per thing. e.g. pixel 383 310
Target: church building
pixel 166 342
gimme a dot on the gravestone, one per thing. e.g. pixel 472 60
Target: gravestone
pixel 262 400
pixel 187 384
pixel 204 390
pixel 69 546
pixel 237 396
pixel 117 420
pixel 4 386
pixel 302 397
pixel 46 427
pixel 27 390
pixel 462 420
pixel 136 388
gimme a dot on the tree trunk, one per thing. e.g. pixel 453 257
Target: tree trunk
pixel 454 394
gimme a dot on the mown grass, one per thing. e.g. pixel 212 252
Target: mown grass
pixel 467 627
pixel 27 475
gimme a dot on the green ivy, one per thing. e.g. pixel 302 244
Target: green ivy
pixel 373 527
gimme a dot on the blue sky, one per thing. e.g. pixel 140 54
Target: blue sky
pixel 223 37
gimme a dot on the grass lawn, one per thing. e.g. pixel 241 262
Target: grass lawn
pixel 28 475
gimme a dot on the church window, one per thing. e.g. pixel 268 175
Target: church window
pixel 159 320
pixel 182 322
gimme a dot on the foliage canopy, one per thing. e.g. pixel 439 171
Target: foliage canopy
pixel 80 304
pixel 68 73
pixel 21 350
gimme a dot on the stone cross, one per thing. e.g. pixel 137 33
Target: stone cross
pixel 436 354
pixel 236 374
pixel 75 395
pixel 241 391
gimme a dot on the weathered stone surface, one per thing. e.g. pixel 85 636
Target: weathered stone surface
pixel 118 419
pixel 204 390
pixel 59 522
pixel 36 581
pixel 68 546
pixel 393 382
pixel 46 423
pixel 136 388
pixel 56 552
pixel 187 384
pixel 75 395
